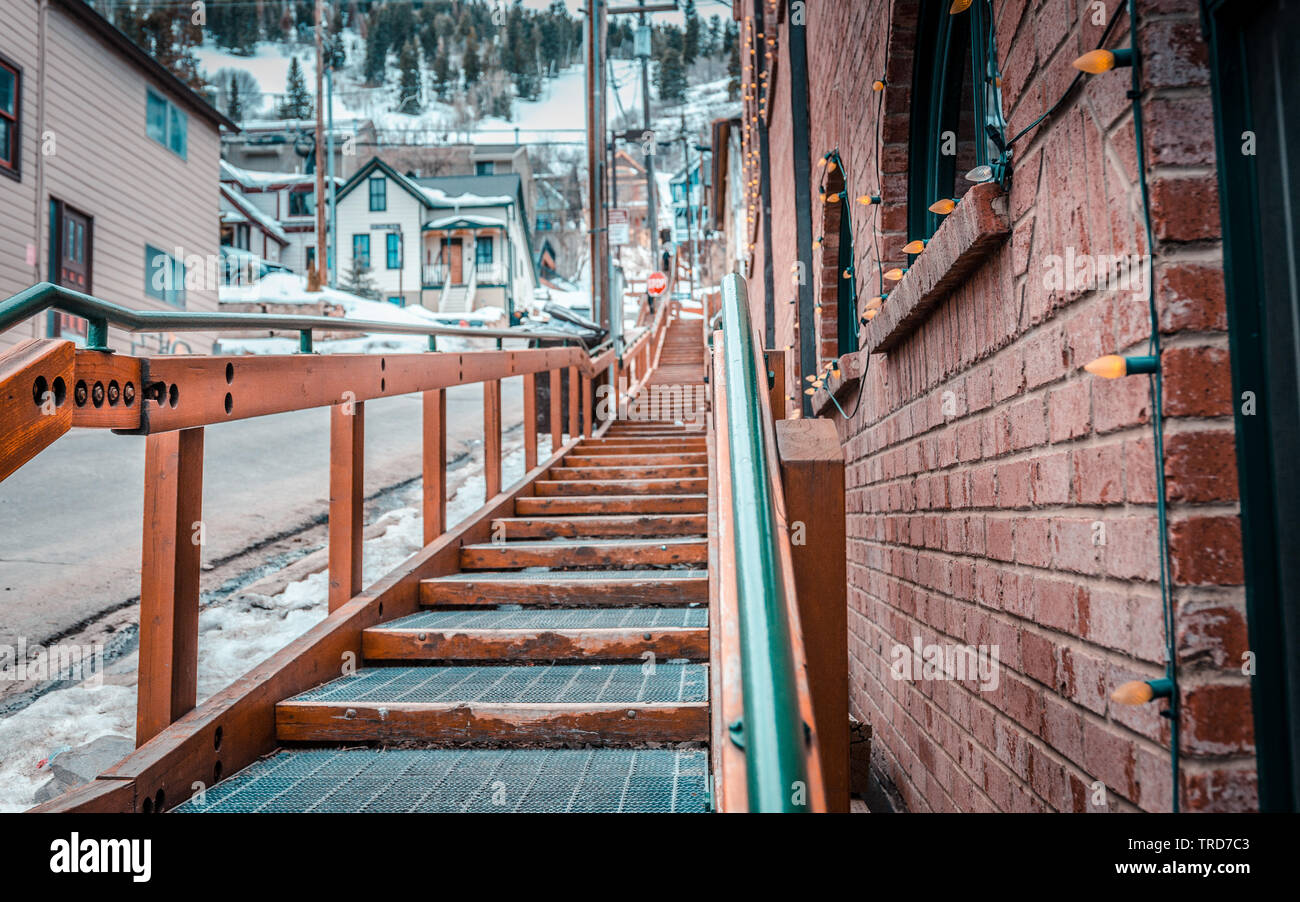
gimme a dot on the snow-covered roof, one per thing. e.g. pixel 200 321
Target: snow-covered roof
pixel 464 219
pixel 291 288
pixel 252 178
pixel 250 212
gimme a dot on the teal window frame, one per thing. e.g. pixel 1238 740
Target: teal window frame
pixel 166 124
pixel 172 291
pixel 393 250
pixel 943 41
pixel 361 248
pixel 378 199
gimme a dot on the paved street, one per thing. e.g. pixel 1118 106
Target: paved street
pixel 70 519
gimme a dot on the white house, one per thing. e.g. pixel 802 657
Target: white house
pixel 286 200
pixel 449 243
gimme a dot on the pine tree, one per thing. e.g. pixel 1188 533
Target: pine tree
pixel 442 76
pixel 358 280
pixel 376 49
pixel 234 105
pixel 469 63
pixel 733 65
pixel 714 38
pixel 671 77
pixel 408 64
pixel 297 102
pixel 691 40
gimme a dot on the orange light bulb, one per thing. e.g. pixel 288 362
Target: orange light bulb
pixel 1112 366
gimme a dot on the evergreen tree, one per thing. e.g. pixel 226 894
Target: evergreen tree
pixel 691 39
pixel 671 77
pixel 234 105
pixel 408 64
pixel 297 102
pixel 714 38
pixel 469 63
pixel 733 65
pixel 358 281
pixel 442 76
pixel 376 49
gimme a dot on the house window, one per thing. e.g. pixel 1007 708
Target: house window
pixel 957 119
pixel 311 257
pixel 164 276
pixel 302 202
pixel 165 123
pixel 393 250
pixel 361 250
pixel 11 151
pixel 396 300
pixel 483 249
pixel 378 194
pixel 483 167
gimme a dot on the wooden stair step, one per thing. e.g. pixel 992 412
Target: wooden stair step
pixel 611 504
pixel 549 705
pixel 546 487
pixel 591 526
pixel 539 634
pixel 611 588
pixel 686 471
pixel 586 553
pixel 681 459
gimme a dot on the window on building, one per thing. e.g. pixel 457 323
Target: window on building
pixel 164 276
pixel 302 202
pixel 957 121
pixel 311 257
pixel 11 150
pixel 361 249
pixel 483 249
pixel 483 167
pixel 165 123
pixel 397 300
pixel 393 250
pixel 378 194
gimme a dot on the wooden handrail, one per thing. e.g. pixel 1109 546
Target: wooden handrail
pixel 50 386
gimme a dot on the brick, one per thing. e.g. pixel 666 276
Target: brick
pixel 1069 410
pixel 1099 474
pixel 1217 719
pixel 1185 208
pixel 1206 551
pixel 1201 466
pixel 1197 382
pixel 1192 298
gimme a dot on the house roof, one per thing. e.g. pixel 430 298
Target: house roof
pixel 105 29
pixel 505 184
pixel 264 222
pixel 253 178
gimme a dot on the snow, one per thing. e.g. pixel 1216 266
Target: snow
pixel 250 178
pixel 234 637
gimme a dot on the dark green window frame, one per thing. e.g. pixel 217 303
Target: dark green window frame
pixel 943 43
pixel 164 276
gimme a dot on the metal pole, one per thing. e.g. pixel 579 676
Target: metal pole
pixel 648 146
pixel 332 257
pixel 321 277
pixel 798 82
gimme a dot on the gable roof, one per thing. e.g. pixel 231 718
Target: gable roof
pixel 253 214
pixel 97 24
pixel 505 184
pixel 406 184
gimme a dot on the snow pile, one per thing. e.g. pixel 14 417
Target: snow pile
pixel 233 638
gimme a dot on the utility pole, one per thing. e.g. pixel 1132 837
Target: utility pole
pixel 596 236
pixel 317 276
pixel 647 140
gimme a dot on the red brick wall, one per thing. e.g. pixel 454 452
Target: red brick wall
pixel 975 525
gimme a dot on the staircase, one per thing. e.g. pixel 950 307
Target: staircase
pixel 564 668
pixel 681 360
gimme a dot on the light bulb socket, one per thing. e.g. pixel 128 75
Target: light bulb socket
pixel 1143 363
pixel 1123 57
pixel 1161 688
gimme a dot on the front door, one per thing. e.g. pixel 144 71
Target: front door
pixel 71 260
pixel 454 259
pixel 1257 114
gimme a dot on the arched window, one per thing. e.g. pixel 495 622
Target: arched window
pixel 957 122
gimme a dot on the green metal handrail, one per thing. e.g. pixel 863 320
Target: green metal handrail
pixel 100 314
pixel 772 731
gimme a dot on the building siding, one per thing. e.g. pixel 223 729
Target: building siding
pixel 105 165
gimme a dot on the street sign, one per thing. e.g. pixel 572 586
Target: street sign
pixel 656 284
pixel 619 229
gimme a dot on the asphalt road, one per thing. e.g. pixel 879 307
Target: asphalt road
pixel 70 519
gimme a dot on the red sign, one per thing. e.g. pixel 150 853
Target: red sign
pixel 656 284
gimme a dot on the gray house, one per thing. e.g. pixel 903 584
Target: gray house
pixel 108 173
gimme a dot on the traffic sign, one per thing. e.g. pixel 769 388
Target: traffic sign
pixel 656 284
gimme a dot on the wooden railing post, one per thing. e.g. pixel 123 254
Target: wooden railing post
pixel 573 402
pixel 530 421
pixel 347 496
pixel 492 437
pixel 557 408
pixel 169 580
pixel 586 406
pixel 435 463
pixel 812 473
